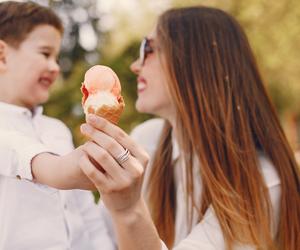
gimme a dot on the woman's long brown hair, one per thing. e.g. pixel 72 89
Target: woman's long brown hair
pixel 224 118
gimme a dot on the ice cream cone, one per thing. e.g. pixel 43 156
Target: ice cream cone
pixel 110 113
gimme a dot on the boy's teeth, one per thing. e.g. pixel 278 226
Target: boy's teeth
pixel 45 82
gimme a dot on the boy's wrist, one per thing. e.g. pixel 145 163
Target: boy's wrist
pixel 61 172
pixel 44 166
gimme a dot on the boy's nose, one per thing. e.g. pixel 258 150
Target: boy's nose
pixel 135 67
pixel 54 66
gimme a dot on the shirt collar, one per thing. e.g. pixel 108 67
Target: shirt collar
pixel 14 109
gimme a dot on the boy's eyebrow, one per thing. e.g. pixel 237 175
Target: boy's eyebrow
pixel 46 47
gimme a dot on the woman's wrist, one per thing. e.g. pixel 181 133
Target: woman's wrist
pixel 135 229
pixel 130 215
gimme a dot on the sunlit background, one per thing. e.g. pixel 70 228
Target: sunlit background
pixel 109 31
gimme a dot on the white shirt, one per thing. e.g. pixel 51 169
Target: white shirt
pixel 207 234
pixel 34 216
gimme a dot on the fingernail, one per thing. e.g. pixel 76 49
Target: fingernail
pixel 92 118
pixel 85 128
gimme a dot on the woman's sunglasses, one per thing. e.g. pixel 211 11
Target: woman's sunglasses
pixel 145 49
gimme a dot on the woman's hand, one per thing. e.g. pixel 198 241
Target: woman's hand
pixel 118 182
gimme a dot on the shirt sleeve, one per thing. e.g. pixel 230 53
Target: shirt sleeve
pixel 16 152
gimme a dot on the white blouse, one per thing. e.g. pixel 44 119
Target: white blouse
pixel 207 234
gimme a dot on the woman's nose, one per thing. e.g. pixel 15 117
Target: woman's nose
pixel 135 67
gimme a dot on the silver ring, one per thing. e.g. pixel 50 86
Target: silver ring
pixel 123 156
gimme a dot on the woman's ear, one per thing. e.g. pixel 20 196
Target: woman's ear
pixel 3 52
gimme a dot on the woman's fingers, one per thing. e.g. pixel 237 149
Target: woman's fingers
pixel 105 160
pixel 102 140
pixel 109 150
pixel 97 177
pixel 120 177
pixel 104 182
pixel 118 135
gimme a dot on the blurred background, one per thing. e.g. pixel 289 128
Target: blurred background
pixel 109 32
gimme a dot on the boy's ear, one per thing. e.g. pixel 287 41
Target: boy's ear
pixel 3 51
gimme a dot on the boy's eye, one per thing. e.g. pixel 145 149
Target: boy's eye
pixel 46 54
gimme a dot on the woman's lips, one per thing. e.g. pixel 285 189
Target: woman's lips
pixel 141 84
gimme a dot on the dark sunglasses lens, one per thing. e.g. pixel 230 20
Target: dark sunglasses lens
pixel 142 51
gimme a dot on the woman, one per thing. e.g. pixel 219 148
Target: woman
pixel 223 175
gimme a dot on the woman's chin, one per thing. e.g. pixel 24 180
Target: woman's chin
pixel 141 107
pixel 146 109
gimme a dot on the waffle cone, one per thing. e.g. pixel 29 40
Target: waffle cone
pixel 110 113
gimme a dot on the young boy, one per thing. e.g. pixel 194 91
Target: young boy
pixel 35 216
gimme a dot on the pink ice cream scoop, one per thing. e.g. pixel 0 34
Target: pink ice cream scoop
pixel 101 91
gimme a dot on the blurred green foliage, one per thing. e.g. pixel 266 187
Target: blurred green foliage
pixel 274 33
